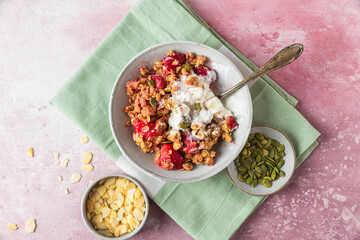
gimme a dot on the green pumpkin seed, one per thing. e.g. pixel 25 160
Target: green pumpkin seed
pixel 276 170
pixel 251 136
pixel 260 163
pixel 151 83
pixel 247 144
pixel 253 165
pixel 273 174
pixel 280 164
pixel 167 89
pixel 237 164
pixel 258 169
pixel 269 142
pixel 258 158
pixel 264 142
pixel 242 169
pixel 282 173
pixel 240 177
pixel 259 145
pixel 251 173
pixel 244 151
pixel 281 148
pixel 281 154
pixel 260 181
pixel 269 164
pixel 184 125
pixel 259 136
pixel 263 168
pixel 276 143
pixel 267 178
pixel 277 177
pixel 152 102
pixel 272 154
pixel 249 180
pixel 266 183
pixel 265 152
pixel 198 107
pixel 254 183
pixel 245 175
pixel 187 66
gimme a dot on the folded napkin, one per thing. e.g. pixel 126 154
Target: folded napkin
pixel 209 209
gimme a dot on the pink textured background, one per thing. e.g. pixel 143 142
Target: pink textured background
pixel 43 42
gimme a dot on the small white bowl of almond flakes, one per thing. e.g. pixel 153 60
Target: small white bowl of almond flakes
pixel 115 206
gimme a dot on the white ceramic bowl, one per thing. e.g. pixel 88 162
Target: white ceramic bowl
pixel 239 103
pixel 88 223
pixel 288 168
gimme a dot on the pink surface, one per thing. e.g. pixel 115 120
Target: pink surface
pixel 43 43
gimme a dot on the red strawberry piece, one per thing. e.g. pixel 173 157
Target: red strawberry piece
pixel 159 81
pixel 169 61
pixel 202 71
pixel 190 144
pixel 169 158
pixel 232 124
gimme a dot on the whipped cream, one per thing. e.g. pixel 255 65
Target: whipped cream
pixel 187 96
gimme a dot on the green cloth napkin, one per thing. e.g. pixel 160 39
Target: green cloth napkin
pixel 209 209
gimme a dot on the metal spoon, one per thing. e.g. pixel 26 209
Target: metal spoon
pixel 281 59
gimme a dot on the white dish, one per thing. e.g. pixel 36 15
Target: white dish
pixel 239 103
pixel 88 223
pixel 288 168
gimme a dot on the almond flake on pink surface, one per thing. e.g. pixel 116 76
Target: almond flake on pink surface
pixel 66 191
pixel 84 139
pixel 60 178
pixel 57 163
pixel 64 162
pixel 87 158
pixel 12 226
pixel 75 177
pixel 31 152
pixel 56 155
pixel 30 226
pixel 88 167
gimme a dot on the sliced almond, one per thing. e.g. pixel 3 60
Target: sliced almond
pixel 56 155
pixel 101 190
pixel 138 214
pixel 12 226
pixel 138 193
pixel 87 158
pixel 31 152
pixel 30 226
pixel 84 139
pixel 105 212
pixel 88 167
pixel 60 178
pixel 57 163
pixel 64 162
pixel 133 223
pixel 66 191
pixel 75 177
pixel 91 181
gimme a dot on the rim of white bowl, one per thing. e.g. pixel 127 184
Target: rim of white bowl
pixel 123 151
pixel 89 225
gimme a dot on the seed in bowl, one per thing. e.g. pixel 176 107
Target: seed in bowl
pixel 260 160
pixel 115 206
pixel 175 113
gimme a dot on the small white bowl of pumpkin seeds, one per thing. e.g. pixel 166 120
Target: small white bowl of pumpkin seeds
pixel 265 164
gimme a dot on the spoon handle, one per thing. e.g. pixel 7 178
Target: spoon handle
pixel 281 59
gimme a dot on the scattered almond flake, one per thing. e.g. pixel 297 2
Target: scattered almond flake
pixel 60 178
pixel 57 163
pixel 12 226
pixel 64 162
pixel 88 167
pixel 30 226
pixel 91 181
pixel 75 177
pixel 31 152
pixel 66 191
pixel 56 155
pixel 87 158
pixel 84 139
